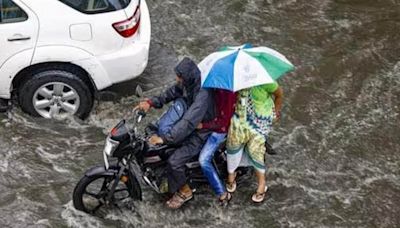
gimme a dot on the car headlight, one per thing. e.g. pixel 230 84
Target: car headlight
pixel 110 146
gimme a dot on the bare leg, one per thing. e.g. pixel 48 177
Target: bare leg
pixel 231 177
pixel 261 181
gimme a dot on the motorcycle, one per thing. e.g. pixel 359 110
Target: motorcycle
pixel 129 157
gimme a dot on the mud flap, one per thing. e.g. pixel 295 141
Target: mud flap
pixel 136 190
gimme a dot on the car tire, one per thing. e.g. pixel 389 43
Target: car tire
pixel 55 92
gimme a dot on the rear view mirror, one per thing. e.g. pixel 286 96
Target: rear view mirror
pixel 139 91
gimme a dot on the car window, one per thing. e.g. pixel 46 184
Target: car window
pixel 96 6
pixel 10 12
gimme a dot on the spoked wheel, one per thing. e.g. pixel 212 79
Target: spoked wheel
pixel 90 193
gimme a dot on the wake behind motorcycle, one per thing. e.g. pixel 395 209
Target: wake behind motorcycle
pixel 129 157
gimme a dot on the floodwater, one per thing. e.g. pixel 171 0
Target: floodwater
pixel 338 144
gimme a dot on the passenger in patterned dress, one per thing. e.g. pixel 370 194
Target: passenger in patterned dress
pixel 256 109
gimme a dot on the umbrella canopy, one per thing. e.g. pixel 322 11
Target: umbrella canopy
pixel 236 68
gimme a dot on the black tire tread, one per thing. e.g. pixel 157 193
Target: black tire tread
pixel 79 190
pixel 45 75
pixel 133 188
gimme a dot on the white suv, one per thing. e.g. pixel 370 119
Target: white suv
pixel 56 54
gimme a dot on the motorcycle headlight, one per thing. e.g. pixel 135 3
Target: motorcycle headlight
pixel 110 146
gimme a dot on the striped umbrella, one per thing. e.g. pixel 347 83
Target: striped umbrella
pixel 236 68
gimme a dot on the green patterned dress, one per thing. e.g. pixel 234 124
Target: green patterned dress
pixel 250 125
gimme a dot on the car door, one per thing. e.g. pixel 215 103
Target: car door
pixel 87 25
pixel 18 31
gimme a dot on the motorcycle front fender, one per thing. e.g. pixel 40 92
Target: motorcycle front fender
pixel 100 170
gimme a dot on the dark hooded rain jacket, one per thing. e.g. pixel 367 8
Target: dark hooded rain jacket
pixel 200 103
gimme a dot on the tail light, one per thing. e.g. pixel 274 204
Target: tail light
pixel 129 27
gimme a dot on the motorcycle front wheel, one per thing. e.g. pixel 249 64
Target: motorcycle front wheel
pixel 91 192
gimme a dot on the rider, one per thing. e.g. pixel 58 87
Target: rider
pixel 182 133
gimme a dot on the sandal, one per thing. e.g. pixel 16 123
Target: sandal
pixel 177 200
pixel 231 186
pixel 259 197
pixel 225 201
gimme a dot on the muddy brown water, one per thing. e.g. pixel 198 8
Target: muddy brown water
pixel 338 144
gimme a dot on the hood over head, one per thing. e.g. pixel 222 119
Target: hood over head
pixel 191 75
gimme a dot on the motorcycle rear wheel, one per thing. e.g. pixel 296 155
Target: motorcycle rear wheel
pixel 91 191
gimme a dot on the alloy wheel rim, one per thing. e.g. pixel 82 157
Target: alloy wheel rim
pixel 55 100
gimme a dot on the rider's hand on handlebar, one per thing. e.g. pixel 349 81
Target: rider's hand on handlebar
pixel 155 140
pixel 143 105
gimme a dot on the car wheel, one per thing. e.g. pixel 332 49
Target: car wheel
pixel 55 94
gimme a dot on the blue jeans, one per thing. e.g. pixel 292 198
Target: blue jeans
pixel 174 113
pixel 206 156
